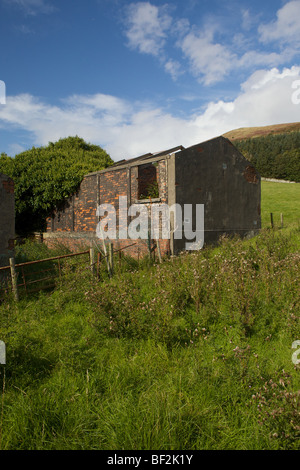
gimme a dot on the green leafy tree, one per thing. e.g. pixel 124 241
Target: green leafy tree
pixel 45 176
pixel 6 164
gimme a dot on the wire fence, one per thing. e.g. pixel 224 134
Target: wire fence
pixel 45 274
pixel 33 276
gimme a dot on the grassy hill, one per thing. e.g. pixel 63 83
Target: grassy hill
pixel 251 132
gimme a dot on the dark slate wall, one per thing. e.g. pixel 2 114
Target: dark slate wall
pixel 216 174
pixel 7 219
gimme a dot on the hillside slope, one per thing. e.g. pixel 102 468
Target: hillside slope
pixel 250 132
pixel 273 150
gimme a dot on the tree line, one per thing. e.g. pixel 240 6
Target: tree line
pixel 45 176
pixel 274 156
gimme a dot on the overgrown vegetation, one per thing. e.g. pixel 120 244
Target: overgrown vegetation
pixel 152 191
pixel 193 353
pixel 274 156
pixel 45 176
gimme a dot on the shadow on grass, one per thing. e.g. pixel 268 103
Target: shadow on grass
pixel 27 361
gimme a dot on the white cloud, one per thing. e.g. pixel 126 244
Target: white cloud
pixel 14 149
pixel 110 109
pixel 247 21
pixel 256 58
pixel 130 129
pixel 286 27
pixel 173 67
pixel 209 60
pixel 265 99
pixel 146 27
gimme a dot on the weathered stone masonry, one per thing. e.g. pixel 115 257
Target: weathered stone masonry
pixel 7 219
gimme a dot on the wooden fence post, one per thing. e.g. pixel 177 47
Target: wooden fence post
pixel 149 245
pixel 120 260
pixel 111 257
pixel 14 278
pixel 158 250
pixel 272 223
pixel 92 260
pixel 106 256
pixel 98 263
pixel 281 220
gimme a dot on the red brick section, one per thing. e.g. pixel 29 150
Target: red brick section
pixel 250 174
pixel 139 248
pixel 8 185
pixel 134 248
pixel 79 211
pixel 85 205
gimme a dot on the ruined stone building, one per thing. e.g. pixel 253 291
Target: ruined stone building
pixel 213 174
pixel 7 219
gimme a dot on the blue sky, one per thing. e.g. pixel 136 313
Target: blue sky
pixel 139 77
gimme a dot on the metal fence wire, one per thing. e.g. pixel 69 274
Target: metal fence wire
pixel 34 276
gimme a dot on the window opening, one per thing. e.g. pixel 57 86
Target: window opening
pixel 147 181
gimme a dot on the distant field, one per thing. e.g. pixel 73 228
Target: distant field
pixel 280 198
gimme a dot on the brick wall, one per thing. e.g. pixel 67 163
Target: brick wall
pixel 81 241
pixel 78 215
pixel 8 185
pixel 79 211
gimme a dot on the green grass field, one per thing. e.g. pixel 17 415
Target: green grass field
pixel 280 198
pixel 191 354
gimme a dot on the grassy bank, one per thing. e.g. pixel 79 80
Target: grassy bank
pixel 194 353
